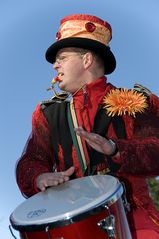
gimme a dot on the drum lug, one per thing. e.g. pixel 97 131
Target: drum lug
pixel 108 226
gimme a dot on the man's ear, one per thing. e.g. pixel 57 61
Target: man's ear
pixel 88 60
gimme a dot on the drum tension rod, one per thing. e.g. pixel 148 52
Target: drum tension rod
pixel 124 199
pixel 49 235
pixel 47 231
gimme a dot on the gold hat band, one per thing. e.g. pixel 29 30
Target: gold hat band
pixel 84 29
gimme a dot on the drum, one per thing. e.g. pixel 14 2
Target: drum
pixel 88 207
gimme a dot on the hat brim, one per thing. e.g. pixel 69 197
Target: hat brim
pixel 97 47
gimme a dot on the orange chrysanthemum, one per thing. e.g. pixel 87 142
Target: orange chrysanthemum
pixel 123 101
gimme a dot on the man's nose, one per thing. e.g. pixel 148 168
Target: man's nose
pixel 56 65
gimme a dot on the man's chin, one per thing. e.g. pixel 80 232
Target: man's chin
pixel 61 87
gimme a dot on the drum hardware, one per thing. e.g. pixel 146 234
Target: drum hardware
pixel 47 231
pixel 124 199
pixel 108 224
pixel 126 203
pixel 49 235
pixel 11 231
pixel 25 236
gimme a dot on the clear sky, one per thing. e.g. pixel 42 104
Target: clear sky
pixel 27 28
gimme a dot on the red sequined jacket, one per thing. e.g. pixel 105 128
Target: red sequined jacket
pixel 139 153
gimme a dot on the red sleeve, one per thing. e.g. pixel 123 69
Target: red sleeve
pixel 139 154
pixel 154 104
pixel 37 156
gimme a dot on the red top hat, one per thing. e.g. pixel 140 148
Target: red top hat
pixel 84 31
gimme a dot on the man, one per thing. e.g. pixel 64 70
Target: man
pixel 120 139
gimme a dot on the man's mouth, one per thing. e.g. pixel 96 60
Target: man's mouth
pixel 60 75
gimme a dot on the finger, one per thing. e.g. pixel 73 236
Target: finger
pixel 42 186
pixel 80 131
pixel 89 136
pixel 83 133
pixel 94 138
pixel 97 138
pixel 55 181
pixel 68 172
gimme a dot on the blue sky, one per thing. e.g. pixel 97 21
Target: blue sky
pixel 27 28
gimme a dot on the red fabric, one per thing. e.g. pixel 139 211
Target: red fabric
pixel 37 157
pixel 138 155
pixel 94 97
pixel 86 18
pixel 145 234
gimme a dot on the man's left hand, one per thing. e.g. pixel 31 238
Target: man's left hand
pixel 96 141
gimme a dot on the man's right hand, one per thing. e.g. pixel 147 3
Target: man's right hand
pixel 45 180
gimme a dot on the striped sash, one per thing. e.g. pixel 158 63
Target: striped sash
pixel 73 123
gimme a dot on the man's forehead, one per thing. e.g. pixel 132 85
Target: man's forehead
pixel 65 50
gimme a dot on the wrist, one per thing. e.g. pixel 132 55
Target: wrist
pixel 114 148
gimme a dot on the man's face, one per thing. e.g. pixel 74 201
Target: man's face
pixel 70 68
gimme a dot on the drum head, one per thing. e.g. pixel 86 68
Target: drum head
pixel 66 201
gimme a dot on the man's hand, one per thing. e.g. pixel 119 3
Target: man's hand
pixel 45 180
pixel 96 141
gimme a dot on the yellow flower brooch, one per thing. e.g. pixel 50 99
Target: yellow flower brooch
pixel 123 101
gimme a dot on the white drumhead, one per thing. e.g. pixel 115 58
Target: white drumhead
pixel 67 200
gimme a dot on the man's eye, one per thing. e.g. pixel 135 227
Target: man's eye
pixel 62 58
